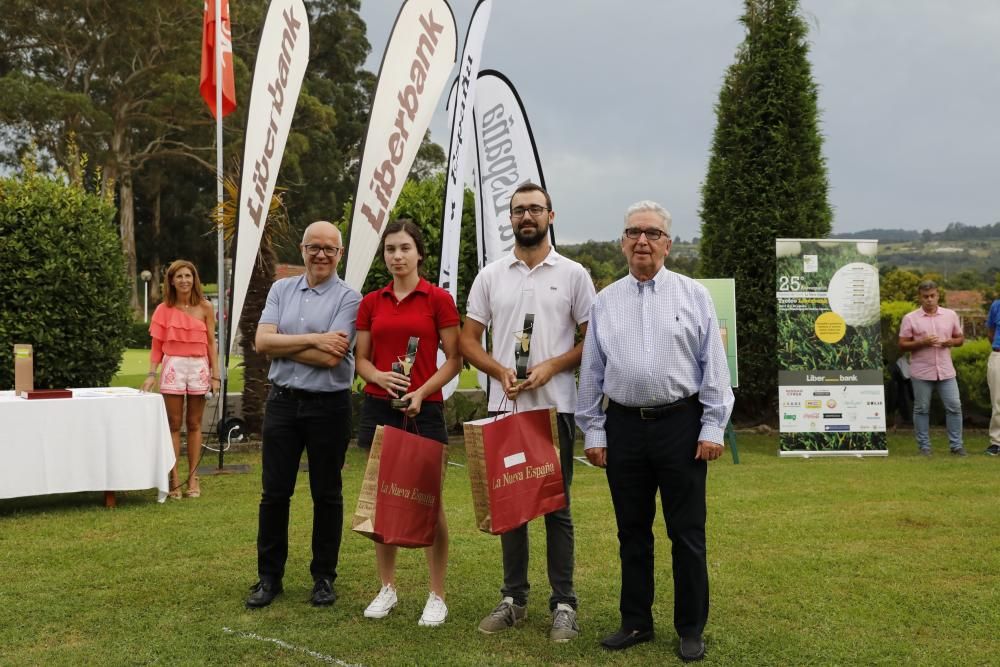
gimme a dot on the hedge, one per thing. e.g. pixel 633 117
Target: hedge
pixel 64 288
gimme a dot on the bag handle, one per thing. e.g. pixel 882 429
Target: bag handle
pixel 406 424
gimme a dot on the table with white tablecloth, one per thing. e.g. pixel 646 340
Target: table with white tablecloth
pixel 102 439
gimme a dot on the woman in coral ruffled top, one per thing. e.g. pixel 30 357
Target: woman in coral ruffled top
pixel 183 331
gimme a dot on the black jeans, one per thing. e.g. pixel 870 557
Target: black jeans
pixel 559 539
pixel 646 455
pixel 321 425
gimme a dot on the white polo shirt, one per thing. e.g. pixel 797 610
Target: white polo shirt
pixel 559 292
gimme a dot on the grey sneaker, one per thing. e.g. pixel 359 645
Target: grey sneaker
pixel 925 451
pixel 564 627
pixel 959 451
pixel 506 615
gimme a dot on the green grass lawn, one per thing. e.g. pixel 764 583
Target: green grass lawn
pixel 812 562
pixel 135 365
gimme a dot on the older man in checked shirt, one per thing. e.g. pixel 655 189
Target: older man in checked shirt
pixel 653 349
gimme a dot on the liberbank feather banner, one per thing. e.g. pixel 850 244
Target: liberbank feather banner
pixel 507 158
pixel 415 68
pixel 282 58
pixel 830 392
pixel 462 133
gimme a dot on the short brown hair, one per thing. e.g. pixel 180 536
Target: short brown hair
pixel 528 186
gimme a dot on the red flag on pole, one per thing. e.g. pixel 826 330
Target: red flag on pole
pixel 208 81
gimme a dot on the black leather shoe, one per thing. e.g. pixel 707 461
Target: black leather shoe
pixel 624 639
pixel 263 593
pixel 692 648
pixel 323 594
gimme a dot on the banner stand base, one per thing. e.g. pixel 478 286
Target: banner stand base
pixel 836 453
pixel 231 469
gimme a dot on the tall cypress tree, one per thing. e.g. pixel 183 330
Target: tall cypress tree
pixel 766 179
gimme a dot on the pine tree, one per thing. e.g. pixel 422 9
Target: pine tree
pixel 766 179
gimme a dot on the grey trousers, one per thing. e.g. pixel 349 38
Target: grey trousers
pixel 558 538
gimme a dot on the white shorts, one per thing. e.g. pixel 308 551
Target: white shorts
pixel 185 375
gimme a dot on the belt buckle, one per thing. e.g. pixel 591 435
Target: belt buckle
pixel 648 413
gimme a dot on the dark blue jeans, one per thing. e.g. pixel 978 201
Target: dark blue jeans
pixel 321 425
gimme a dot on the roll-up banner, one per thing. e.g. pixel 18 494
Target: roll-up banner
pixel 462 134
pixel 507 158
pixel 831 396
pixel 415 67
pixel 282 58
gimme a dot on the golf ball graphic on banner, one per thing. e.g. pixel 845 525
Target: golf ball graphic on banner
pixel 853 294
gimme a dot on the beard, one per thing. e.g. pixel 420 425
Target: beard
pixel 529 238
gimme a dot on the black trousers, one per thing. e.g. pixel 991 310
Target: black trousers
pixel 321 425
pixel 645 456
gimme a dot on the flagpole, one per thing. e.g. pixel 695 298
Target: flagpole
pixel 221 249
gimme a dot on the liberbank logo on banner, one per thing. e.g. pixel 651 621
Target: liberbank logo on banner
pixel 263 177
pixel 383 181
pixel 282 58
pixel 415 67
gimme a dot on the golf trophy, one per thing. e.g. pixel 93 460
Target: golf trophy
pixel 404 366
pixel 522 348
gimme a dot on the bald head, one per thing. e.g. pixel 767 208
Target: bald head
pixel 321 251
pixel 320 228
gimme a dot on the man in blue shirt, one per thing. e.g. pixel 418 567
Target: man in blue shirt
pixel 653 349
pixel 993 377
pixel 307 328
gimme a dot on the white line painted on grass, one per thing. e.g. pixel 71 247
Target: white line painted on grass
pixel 584 461
pixel 291 647
pixel 458 465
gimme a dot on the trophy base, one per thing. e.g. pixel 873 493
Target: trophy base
pixel 399 404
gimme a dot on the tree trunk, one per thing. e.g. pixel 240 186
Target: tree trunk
pixel 255 365
pixel 126 216
pixel 154 268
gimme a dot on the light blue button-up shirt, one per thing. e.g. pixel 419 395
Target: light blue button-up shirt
pixel 650 344
pixel 297 308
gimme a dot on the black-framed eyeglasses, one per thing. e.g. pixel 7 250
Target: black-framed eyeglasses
pixel 535 211
pixel 651 234
pixel 328 250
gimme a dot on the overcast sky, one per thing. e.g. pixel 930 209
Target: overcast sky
pixel 620 96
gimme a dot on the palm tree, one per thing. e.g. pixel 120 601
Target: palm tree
pixel 276 229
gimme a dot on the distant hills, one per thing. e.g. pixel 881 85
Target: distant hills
pixel 955 231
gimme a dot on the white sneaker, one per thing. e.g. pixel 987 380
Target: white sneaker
pixel 383 603
pixel 435 611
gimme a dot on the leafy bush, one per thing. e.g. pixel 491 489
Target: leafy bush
pixel 64 288
pixel 970 363
pixel 892 314
pixel 138 336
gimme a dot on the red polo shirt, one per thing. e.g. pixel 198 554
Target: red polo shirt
pixel 423 312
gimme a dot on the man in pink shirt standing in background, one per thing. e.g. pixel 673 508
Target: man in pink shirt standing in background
pixel 927 334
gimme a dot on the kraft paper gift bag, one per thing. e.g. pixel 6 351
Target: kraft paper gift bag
pixel 401 492
pixel 514 469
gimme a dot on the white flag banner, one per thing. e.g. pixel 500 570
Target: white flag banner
pixel 282 58
pixel 507 158
pixel 462 131
pixel 415 67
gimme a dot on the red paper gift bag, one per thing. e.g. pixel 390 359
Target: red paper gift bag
pixel 401 493
pixel 514 468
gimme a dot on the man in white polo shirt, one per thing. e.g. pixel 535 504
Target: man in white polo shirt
pixel 533 279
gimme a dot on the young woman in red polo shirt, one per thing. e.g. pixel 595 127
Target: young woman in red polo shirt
pixel 407 306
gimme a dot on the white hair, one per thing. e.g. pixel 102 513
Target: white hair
pixel 649 206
